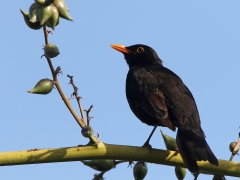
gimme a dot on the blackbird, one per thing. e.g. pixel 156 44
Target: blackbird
pixel 158 97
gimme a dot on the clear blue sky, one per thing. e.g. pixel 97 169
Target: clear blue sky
pixel 199 41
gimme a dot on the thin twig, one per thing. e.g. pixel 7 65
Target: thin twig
pixel 57 84
pixel 75 93
pixel 58 71
pixel 87 114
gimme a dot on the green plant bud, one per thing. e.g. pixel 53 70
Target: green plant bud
pixel 87 131
pixel 140 170
pixel 45 13
pixel 44 86
pixel 33 12
pixel 44 2
pixel 53 21
pixel 62 8
pixel 180 173
pixel 66 5
pixel 31 25
pixel 51 50
pixel 49 23
pixel 99 164
pixel 232 145
pixel 170 142
pixel 218 177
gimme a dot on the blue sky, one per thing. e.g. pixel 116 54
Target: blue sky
pixel 199 41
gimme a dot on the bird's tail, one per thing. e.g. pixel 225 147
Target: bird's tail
pixel 193 147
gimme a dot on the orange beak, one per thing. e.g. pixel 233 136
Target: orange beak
pixel 120 48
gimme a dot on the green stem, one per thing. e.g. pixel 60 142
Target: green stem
pixel 57 85
pixel 107 151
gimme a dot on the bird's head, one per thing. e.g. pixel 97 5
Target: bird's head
pixel 138 54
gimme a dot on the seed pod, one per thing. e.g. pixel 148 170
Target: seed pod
pixel 65 5
pixel 99 164
pixel 44 2
pixel 33 12
pixel 140 170
pixel 51 50
pixel 44 86
pixel 49 23
pixel 180 173
pixel 45 13
pixel 31 25
pixel 232 145
pixel 170 142
pixel 62 8
pixel 53 21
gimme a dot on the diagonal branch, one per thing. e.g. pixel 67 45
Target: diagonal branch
pixel 75 93
pixel 57 85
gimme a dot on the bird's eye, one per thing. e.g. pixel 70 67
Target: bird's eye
pixel 140 50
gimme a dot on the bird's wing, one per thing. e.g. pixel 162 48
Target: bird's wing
pixel 152 99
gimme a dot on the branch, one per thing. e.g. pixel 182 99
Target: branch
pixel 107 151
pixel 57 84
pixel 78 98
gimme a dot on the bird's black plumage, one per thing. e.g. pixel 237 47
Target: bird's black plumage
pixel 157 96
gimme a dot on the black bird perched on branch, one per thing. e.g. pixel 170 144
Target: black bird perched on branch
pixel 158 97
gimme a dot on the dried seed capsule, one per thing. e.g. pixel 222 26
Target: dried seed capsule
pixel 140 170
pixel 170 142
pixel 51 50
pixel 31 25
pixel 99 164
pixel 180 173
pixel 62 8
pixel 232 145
pixel 87 131
pixel 44 86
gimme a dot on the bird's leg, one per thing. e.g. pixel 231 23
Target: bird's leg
pixel 146 144
pixel 195 176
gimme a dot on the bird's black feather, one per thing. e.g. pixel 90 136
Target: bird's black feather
pixel 157 96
